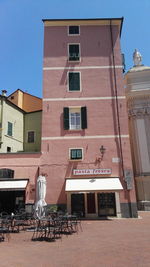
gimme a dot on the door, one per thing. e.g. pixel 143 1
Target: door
pixel 106 204
pixel 91 208
pixel 77 204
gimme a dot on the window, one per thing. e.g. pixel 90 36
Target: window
pixel 9 128
pixel 8 149
pixel 73 30
pixel 74 81
pixel 74 54
pixel 75 118
pixel 76 154
pixel 6 173
pixel 31 137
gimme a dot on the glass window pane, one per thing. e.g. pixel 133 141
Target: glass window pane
pixel 73 29
pixel 74 81
pixel 74 52
pixel 75 120
pixel 76 153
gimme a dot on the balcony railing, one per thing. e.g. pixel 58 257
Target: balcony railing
pixel 74 57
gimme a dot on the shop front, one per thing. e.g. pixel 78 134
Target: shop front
pixel 94 197
pixel 12 194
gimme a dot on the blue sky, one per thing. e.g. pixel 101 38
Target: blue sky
pixel 21 34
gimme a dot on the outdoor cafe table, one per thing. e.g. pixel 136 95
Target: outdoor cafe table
pixel 52 228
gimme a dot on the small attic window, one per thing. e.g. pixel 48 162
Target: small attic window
pixel 12 97
pixel 74 30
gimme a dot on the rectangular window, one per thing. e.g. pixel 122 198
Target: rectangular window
pixel 75 118
pixel 74 81
pixel 31 137
pixel 8 149
pixel 74 53
pixel 9 128
pixel 75 154
pixel 73 30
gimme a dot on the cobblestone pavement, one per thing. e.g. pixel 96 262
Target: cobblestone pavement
pixel 104 243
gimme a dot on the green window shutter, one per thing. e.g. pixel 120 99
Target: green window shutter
pixel 74 81
pixel 9 130
pixel 66 118
pixel 83 117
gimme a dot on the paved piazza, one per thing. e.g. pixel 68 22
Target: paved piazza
pixel 104 243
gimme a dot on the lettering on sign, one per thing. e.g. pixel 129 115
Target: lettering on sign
pixel 91 171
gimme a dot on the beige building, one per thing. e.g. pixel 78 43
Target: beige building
pixel 32 131
pixel 137 81
pixel 11 126
pixel 20 130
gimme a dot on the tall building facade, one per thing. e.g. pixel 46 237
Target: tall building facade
pixel 137 81
pixel 85 139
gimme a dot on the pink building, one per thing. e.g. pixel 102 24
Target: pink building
pixel 85 140
pixel 85 151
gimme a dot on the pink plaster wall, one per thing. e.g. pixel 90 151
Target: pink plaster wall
pixel 96 50
pixel 95 45
pixel 25 166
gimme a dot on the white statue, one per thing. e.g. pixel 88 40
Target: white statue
pixel 137 58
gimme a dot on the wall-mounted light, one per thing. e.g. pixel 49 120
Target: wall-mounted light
pixel 102 152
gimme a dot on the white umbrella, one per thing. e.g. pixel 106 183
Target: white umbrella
pixel 40 197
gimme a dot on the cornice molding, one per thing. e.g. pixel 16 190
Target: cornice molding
pixel 139 112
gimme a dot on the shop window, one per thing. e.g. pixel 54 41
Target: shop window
pixel 75 118
pixel 74 30
pixel 76 154
pixel 74 52
pixel 74 81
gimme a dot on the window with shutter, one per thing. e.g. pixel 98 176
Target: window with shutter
pixel 74 53
pixel 75 118
pixel 74 81
pixel 10 129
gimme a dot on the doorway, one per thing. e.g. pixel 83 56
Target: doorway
pixel 78 204
pixel 91 208
pixel 106 204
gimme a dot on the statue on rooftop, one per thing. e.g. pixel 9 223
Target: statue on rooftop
pixel 137 58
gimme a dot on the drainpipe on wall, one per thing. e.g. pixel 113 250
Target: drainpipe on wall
pixel 4 92
pixel 118 119
pixel 116 99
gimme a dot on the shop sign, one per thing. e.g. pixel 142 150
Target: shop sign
pixel 91 171
pixel 129 178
